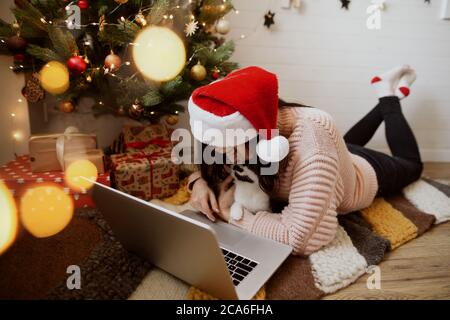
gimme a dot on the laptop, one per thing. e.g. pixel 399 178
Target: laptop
pixel 216 257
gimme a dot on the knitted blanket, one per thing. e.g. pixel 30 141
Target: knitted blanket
pixel 361 242
pixel 36 268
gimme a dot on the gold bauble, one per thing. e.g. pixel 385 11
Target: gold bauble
pixel 113 62
pixel 172 120
pixel 198 72
pixel 140 19
pixel 136 110
pixel 121 111
pixel 223 26
pixel 66 106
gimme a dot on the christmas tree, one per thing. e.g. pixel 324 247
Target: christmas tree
pixel 85 48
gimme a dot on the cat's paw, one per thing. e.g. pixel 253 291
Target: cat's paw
pixel 236 211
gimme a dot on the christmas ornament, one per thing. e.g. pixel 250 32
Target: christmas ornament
pixel 16 44
pixel 121 111
pixel 172 120
pixel 215 74
pixel 140 19
pixel 66 106
pixel 269 19
pixel 345 4
pixel 113 62
pixel 55 77
pixel 33 91
pixel 191 28
pixel 101 23
pixel 136 110
pixel 223 26
pixel 77 65
pixel 83 4
pixel 165 60
pixel 19 58
pixel 198 72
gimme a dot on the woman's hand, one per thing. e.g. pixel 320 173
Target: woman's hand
pixel 226 198
pixel 204 200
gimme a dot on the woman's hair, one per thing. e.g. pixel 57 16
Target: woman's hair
pixel 213 174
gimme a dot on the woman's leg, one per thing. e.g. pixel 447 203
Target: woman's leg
pixel 405 166
pixel 385 86
pixel 362 132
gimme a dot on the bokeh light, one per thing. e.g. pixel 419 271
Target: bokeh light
pixel 55 77
pixel 159 53
pixel 80 175
pixel 8 218
pixel 45 210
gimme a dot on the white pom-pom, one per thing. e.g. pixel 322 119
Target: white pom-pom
pixel 273 150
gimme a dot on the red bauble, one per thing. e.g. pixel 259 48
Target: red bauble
pixel 215 75
pixel 76 65
pixel 83 4
pixel 19 57
pixel 16 44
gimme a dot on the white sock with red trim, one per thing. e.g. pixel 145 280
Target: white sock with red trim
pixel 404 86
pixel 386 83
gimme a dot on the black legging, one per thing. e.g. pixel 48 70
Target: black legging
pixel 405 166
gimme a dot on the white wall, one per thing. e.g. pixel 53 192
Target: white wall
pixel 10 88
pixel 325 57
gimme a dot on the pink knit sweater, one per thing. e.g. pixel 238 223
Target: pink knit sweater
pixel 321 179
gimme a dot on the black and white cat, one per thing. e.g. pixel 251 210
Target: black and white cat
pixel 248 193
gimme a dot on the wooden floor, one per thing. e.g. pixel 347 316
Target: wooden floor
pixel 419 269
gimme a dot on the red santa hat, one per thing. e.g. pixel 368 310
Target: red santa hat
pixel 237 108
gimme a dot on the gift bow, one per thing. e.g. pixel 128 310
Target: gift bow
pixel 68 134
pixel 143 144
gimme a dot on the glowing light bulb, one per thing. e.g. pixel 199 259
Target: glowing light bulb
pixel 80 175
pixel 8 218
pixel 160 55
pixel 45 210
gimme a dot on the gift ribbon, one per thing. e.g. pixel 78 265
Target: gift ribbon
pixel 142 155
pixel 68 134
pixel 143 144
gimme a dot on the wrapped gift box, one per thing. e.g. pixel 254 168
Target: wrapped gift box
pixel 146 176
pixel 17 176
pixel 43 149
pixel 148 139
pixel 95 156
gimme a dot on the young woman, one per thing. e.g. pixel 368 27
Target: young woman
pixel 324 174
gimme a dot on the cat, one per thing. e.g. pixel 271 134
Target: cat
pixel 248 193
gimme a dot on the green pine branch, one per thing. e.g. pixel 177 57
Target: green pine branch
pixel 43 54
pixel 6 29
pixel 120 34
pixel 27 14
pixel 159 9
pixel 63 42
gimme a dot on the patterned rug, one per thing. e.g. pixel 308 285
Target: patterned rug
pixel 36 268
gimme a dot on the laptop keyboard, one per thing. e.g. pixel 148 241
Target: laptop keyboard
pixel 238 266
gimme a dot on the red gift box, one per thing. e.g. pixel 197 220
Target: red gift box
pixel 17 176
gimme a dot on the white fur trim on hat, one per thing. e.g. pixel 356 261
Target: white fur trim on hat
pixel 273 150
pixel 227 131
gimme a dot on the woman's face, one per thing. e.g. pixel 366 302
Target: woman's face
pixel 237 154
